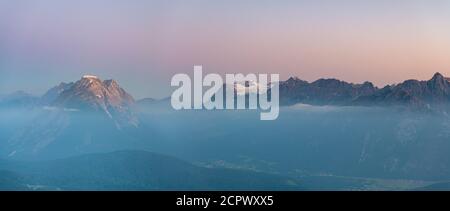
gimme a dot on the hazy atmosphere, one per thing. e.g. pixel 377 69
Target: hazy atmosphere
pixel 143 43
pixel 363 100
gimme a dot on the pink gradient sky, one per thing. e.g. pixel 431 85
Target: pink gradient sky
pixel 143 43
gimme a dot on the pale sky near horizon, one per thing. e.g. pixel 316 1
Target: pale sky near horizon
pixel 142 44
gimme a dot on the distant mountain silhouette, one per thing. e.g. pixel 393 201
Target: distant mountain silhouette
pixel 419 94
pixel 19 99
pixel 434 92
pixel 322 91
pixel 92 94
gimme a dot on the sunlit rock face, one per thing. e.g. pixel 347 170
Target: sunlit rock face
pixel 90 93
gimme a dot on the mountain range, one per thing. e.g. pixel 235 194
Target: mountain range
pixel 92 94
pixel 412 93
pixel 82 122
pixel 434 92
pixel 89 94
pixel 112 114
pixel 322 91
pixel 87 115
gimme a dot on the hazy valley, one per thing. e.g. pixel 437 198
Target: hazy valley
pixel 330 135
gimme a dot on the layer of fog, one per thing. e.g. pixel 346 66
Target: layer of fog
pixel 305 140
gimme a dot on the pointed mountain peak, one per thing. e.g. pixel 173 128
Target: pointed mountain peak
pixel 90 77
pixel 90 93
pixel 368 83
pixel 438 84
pixel 437 76
pixel 111 83
pixel 438 80
pixel 95 91
pixel 293 78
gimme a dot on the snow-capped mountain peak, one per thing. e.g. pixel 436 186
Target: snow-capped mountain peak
pixel 249 87
pixel 90 77
pixel 90 93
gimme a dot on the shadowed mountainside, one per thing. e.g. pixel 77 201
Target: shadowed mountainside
pixel 132 170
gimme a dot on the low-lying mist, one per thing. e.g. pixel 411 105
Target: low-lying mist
pixel 368 142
